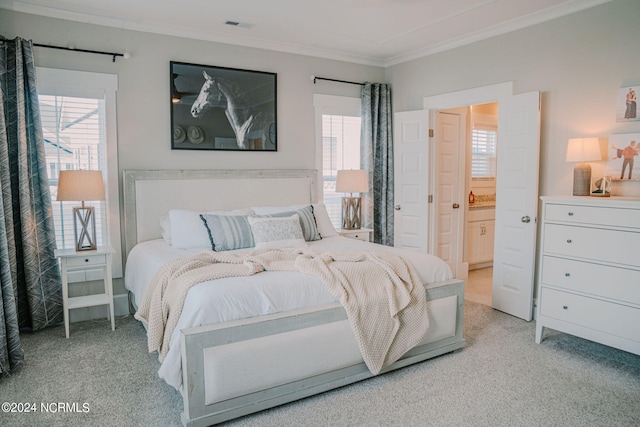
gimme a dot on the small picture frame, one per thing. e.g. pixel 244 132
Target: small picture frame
pixel 218 108
pixel 627 104
pixel 601 186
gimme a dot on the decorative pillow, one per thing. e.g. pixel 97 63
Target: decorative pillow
pixel 277 232
pixel 188 231
pixel 227 232
pixel 325 227
pixel 307 220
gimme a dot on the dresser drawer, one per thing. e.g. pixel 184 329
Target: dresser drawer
pixel 607 281
pixel 618 217
pixel 619 247
pixel 603 316
pixel 87 261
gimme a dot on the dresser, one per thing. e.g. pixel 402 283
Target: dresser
pixel 589 276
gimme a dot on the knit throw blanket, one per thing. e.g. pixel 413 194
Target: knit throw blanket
pixel 380 292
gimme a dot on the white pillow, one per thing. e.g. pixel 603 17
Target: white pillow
pixel 188 230
pixel 325 228
pixel 277 232
pixel 165 227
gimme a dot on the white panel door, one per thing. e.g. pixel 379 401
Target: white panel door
pixel 446 195
pixel 411 179
pixel 517 204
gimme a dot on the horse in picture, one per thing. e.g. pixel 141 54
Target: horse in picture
pixel 248 124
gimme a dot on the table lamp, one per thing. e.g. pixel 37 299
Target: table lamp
pixel 82 185
pixel 352 181
pixel 582 150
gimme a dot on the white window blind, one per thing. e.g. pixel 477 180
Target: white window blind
pixel 74 137
pixel 78 112
pixel 483 152
pixel 340 150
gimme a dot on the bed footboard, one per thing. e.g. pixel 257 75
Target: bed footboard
pixel 237 368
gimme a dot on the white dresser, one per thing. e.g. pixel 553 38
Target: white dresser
pixel 589 279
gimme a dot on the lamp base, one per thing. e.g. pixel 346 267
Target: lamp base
pixel 582 179
pixel 84 225
pixel 351 213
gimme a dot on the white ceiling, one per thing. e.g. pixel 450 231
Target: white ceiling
pixel 375 32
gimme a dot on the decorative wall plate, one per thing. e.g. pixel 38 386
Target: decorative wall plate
pixel 179 135
pixel 195 134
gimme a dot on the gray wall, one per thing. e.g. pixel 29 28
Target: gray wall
pixel 143 95
pixel 143 104
pixel 578 63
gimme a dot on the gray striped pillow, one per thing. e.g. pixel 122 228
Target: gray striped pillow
pixel 227 232
pixel 307 222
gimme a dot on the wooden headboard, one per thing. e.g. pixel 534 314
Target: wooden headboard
pixel 150 194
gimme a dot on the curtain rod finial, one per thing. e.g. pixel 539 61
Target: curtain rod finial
pixel 313 78
pixel 126 55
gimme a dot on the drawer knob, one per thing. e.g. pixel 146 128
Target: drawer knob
pixel 86 260
pixel 568 240
pixel 565 307
pixel 567 274
pixel 570 213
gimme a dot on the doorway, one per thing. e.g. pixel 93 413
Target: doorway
pixel 415 176
pixel 467 166
pixel 516 212
pixel 478 286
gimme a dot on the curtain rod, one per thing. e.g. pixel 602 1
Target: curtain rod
pixel 112 54
pixel 314 78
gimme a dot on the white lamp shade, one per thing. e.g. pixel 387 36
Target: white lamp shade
pixel 352 181
pixel 583 150
pixel 80 185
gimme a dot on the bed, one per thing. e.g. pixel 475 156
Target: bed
pixel 284 348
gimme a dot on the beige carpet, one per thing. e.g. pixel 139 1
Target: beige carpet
pixel 502 378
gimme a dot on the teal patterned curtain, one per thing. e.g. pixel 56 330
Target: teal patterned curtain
pixel 30 288
pixel 377 158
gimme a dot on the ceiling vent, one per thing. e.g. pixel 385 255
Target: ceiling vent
pixel 238 24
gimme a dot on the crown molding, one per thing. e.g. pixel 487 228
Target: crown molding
pixel 292 48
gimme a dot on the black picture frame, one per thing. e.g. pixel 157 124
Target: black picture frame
pixel 222 109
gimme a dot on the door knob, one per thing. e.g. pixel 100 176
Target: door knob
pixel 525 219
pixel 397 207
pixel 456 206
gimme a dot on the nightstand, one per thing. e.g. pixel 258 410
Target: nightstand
pixel 359 234
pixel 70 260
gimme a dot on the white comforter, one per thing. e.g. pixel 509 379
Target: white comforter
pixel 236 298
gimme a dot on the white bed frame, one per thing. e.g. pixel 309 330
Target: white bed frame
pixel 148 195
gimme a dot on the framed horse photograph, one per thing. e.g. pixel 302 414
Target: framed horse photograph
pixel 218 108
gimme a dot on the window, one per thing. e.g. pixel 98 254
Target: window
pixel 78 124
pixel 74 139
pixel 483 152
pixel 338 119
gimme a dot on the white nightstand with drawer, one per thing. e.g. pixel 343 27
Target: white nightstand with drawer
pixel 70 261
pixel 359 234
pixel 589 280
